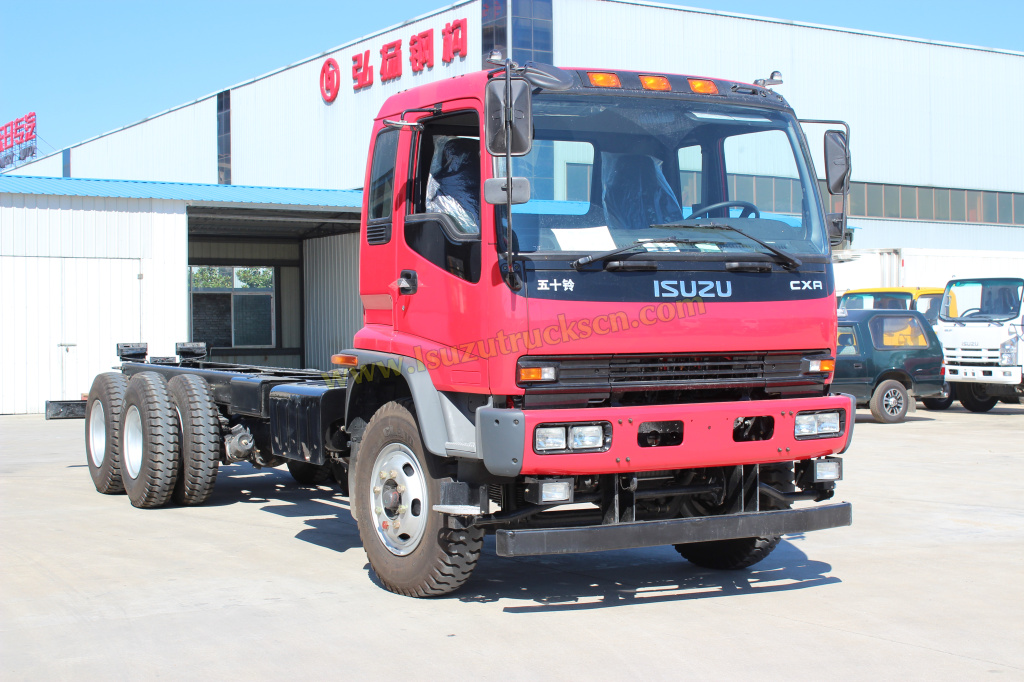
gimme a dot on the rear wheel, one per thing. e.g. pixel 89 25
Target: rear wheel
pixel 739 553
pixel 103 431
pixel 412 549
pixel 198 419
pixel 889 402
pixel 149 441
pixel 975 397
pixel 941 403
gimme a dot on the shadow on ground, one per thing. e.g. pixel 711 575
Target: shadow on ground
pixel 552 583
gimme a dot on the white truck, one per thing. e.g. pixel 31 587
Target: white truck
pixel 913 267
pixel 981 325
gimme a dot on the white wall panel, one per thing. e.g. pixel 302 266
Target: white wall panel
pixel 177 146
pixel 284 135
pixel 963 237
pixel 333 310
pixel 920 113
pixel 69 272
pixel 51 166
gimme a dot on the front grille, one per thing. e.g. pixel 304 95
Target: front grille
pixel 615 373
pixel 972 356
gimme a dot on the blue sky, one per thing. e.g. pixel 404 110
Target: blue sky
pixel 88 66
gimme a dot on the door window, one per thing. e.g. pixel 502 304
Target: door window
pixel 847 344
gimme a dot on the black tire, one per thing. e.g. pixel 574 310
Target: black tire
pixel 201 441
pixel 440 555
pixel 975 398
pixel 305 473
pixel 733 555
pixel 149 441
pixel 103 431
pixel 941 403
pixel 890 402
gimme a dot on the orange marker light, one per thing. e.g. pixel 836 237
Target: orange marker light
pixel 828 365
pixel 604 80
pixel 704 87
pixel 536 374
pixel 345 360
pixel 655 83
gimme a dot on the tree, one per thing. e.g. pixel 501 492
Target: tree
pixel 255 278
pixel 209 277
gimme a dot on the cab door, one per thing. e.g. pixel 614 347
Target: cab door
pixel 439 308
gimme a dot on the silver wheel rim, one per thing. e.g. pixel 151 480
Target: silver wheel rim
pixel 97 433
pixel 892 402
pixel 131 441
pixel 398 499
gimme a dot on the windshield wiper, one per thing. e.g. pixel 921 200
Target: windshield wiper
pixel 594 257
pixel 789 261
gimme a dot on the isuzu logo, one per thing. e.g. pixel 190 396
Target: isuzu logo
pixel 690 288
pixel 802 284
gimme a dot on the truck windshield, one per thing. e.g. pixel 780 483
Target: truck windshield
pixel 981 300
pixel 604 169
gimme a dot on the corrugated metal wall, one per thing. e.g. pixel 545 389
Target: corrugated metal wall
pixel 70 272
pixel 334 312
pixel 51 166
pixel 921 114
pixel 881 234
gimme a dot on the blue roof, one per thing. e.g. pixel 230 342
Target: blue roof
pixel 182 191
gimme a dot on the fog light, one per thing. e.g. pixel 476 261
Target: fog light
pixel 549 438
pixel 828 470
pixel 828 422
pixel 586 437
pixel 805 425
pixel 555 491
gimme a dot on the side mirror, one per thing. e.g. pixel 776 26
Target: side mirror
pixel 522 117
pixel 837 162
pixel 496 191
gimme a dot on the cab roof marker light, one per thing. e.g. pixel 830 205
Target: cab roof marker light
pixel 702 86
pixel 600 79
pixel 655 83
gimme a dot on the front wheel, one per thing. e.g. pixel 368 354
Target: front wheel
pixel 975 397
pixel 412 549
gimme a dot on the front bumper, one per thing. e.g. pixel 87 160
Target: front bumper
pixel 1008 376
pixel 505 437
pixel 671 532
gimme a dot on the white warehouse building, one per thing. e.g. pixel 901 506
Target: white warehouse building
pixel 190 225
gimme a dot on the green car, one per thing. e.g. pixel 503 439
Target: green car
pixel 884 358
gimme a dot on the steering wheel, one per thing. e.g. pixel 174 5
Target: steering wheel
pixel 970 311
pixel 749 210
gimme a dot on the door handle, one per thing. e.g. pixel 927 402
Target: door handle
pixel 407 282
pixel 858 365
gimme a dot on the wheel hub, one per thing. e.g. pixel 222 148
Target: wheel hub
pixel 398 499
pixel 892 402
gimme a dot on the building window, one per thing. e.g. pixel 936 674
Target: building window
pixel 494 33
pixel 224 138
pixel 65 163
pixel 233 307
pixel 532 31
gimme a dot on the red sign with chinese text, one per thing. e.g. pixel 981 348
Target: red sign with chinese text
pixel 454 44
pixel 18 131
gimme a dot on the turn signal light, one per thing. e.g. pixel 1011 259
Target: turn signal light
pixel 345 360
pixel 536 374
pixel 703 87
pixel 604 80
pixel 655 83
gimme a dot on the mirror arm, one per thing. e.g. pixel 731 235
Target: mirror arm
pixel 511 278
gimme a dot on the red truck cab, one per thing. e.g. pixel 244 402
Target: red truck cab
pixel 685 375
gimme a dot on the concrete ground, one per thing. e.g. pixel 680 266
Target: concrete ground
pixel 268 581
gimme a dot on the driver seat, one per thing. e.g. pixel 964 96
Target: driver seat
pixel 636 193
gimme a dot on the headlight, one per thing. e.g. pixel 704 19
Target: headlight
pixel 586 437
pixel 1008 352
pixel 549 438
pixel 828 469
pixel 816 424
